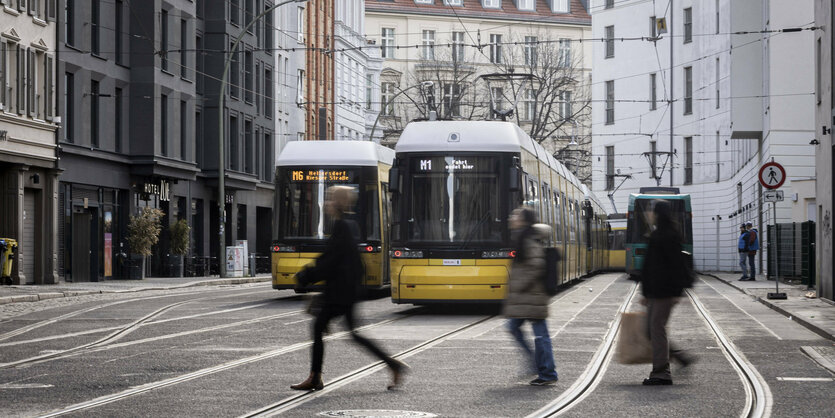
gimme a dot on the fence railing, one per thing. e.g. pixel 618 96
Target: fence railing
pixel 792 245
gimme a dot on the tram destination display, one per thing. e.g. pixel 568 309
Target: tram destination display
pixel 316 175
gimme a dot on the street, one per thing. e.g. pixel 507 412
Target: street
pixel 235 350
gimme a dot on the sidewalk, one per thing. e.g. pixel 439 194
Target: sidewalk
pixel 818 315
pixel 34 293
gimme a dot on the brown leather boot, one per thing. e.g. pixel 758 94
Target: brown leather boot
pixel 398 370
pixel 313 382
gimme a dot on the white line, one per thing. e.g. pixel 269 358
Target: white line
pixel 743 310
pixel 806 379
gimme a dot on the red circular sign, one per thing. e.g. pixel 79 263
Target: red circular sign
pixel 772 175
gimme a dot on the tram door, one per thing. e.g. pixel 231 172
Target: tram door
pixel 386 235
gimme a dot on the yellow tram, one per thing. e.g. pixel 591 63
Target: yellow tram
pixel 453 186
pixel 305 169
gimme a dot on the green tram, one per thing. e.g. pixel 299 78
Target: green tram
pixel 639 222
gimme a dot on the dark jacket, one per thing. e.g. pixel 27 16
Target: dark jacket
pixel 665 273
pixel 526 295
pixel 339 266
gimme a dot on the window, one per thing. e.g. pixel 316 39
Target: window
pixel 234 74
pixel 386 97
pixel 530 51
pixel 387 43
pixel 564 59
pixel 610 102
pixel 491 3
pixel 717 83
pixel 31 81
pixel 248 15
pixel 248 151
pixel 232 163
pixel 818 75
pixel 610 167
pixel 530 105
pixel 526 4
pixel 423 1
pixel 653 92
pixel 452 99
pixel 653 148
pixel 497 95
pixel 258 93
pixel 458 46
pixel 268 157
pixel 200 9
pixel 163 125
pixel 300 24
pixel 20 79
pixel 369 89
pixel 199 61
pixel 718 164
pixel 610 41
pixel 183 130
pixel 688 90
pixel 198 136
pixel 688 160
pixel 653 30
pixel 69 106
pixel 95 40
pixel 717 17
pixel 268 92
pixel 565 105
pixel 428 48
pixel 3 76
pixel 164 40
pixel 94 114
pixel 496 49
pixel 453 2
pixel 69 22
pixel 119 27
pixel 183 49
pixel 248 76
pixel 235 12
pixel 609 4
pixel 269 30
pixel 560 6
pixel 688 25
pixel 117 120
pixel 300 87
pixel 49 86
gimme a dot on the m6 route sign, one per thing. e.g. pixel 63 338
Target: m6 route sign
pixel 772 175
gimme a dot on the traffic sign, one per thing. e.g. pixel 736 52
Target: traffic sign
pixel 773 196
pixel 772 175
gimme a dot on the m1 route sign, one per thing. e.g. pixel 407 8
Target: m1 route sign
pixel 772 175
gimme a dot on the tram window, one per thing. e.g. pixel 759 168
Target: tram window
pixel 372 213
pixel 546 205
pixel 558 217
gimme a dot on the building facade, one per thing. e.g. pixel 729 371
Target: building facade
pixel 358 68
pixel 290 61
pixel 139 100
pixel 696 116
pixel 825 146
pixel 28 150
pixel 319 87
pixel 436 50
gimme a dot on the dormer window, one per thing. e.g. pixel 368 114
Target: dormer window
pixel 560 6
pixel 453 2
pixel 491 4
pixel 424 1
pixel 526 5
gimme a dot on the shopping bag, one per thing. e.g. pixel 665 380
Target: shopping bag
pixel 633 339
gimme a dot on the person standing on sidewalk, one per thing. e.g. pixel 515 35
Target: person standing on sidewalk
pixel 340 266
pixel 742 247
pixel 753 246
pixel 527 299
pixel 664 277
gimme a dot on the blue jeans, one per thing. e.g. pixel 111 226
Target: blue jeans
pixel 743 260
pixel 542 353
pixel 753 269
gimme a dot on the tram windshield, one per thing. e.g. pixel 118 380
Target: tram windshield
pixel 641 222
pixel 301 203
pixel 455 199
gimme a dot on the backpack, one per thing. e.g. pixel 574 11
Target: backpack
pixel 551 277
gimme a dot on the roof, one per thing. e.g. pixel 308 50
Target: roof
pixel 578 14
pixel 457 136
pixel 338 153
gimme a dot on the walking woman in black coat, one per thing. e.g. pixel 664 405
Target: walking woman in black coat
pixel 664 277
pixel 341 268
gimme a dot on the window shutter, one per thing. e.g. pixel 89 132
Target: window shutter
pixel 3 72
pixel 49 87
pixel 30 82
pixel 21 80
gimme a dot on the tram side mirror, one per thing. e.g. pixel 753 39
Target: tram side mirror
pixel 513 183
pixel 394 179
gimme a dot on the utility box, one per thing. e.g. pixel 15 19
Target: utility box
pixel 235 261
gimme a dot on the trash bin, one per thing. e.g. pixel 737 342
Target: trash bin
pixel 8 247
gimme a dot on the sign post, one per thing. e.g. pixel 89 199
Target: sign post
pixel 772 175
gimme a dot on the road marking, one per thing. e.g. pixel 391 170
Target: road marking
pixel 743 310
pixel 806 379
pixel 24 386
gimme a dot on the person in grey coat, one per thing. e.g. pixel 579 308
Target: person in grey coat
pixel 527 299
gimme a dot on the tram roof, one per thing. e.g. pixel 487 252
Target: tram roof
pixel 473 136
pixel 351 153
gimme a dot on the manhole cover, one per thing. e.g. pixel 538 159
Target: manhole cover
pixel 375 413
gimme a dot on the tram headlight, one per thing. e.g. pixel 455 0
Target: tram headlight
pixel 403 253
pixel 282 248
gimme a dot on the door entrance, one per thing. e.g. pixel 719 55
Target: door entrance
pixel 85 252
pixel 30 236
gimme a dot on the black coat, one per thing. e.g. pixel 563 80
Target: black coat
pixel 339 266
pixel 665 273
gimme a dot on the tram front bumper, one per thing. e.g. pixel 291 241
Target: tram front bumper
pixel 439 284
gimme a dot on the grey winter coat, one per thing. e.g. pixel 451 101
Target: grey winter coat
pixel 526 296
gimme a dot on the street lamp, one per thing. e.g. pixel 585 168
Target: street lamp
pixel 424 84
pixel 221 163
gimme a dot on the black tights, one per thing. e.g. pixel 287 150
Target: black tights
pixel 328 313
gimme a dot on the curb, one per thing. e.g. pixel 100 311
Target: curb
pixel 808 325
pixel 70 293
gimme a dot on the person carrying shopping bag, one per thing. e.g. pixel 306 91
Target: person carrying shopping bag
pixel 341 268
pixel 527 299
